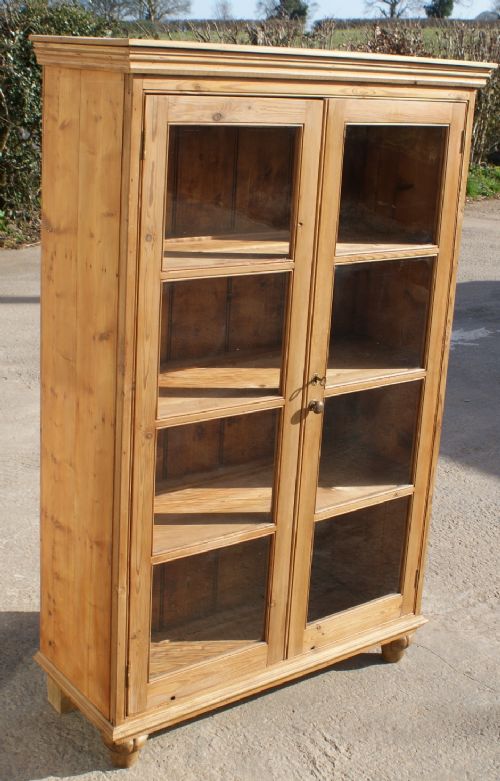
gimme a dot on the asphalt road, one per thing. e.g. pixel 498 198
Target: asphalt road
pixel 433 717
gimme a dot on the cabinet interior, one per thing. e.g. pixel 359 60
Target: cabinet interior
pixel 229 194
pixel 391 186
pixel 221 341
pixel 207 605
pixel 357 557
pixel 214 481
pixel 367 444
pixel 379 319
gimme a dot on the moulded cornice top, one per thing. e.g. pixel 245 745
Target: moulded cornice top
pixel 147 57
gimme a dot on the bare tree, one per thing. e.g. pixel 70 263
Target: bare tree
pixel 108 9
pixel 157 10
pixel 393 9
pixel 222 10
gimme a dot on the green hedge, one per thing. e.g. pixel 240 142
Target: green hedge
pixel 20 83
pixel 20 106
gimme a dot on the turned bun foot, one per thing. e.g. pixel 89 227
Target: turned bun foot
pixel 394 651
pixel 127 753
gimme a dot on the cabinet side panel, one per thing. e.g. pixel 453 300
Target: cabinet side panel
pixel 80 246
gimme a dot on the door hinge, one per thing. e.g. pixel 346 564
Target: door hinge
pixel 462 142
pixel 417 578
pixel 143 144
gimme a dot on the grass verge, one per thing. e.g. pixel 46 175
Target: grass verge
pixel 483 181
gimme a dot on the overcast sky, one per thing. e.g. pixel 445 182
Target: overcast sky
pixel 340 9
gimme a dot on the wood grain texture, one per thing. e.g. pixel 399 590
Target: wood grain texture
pixel 314 503
pixel 80 239
pixel 204 60
pixel 129 485
pixel 127 287
pixel 59 701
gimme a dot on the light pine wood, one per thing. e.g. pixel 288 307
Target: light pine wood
pixel 242 62
pixel 343 113
pixel 360 251
pixel 419 566
pixel 81 181
pixel 349 623
pixel 394 651
pixel 437 350
pixel 167 657
pixel 148 311
pixel 126 753
pixel 228 492
pixel 208 253
pixel 176 538
pixel 127 282
pixel 59 701
pixel 183 348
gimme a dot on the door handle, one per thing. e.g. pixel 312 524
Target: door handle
pixel 317 406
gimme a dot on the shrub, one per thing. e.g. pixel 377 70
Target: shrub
pixel 20 111
pixel 20 77
pixel 483 181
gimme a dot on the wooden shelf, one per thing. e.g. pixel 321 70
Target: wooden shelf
pixel 213 509
pixel 205 638
pixel 362 364
pixel 206 253
pixel 215 384
pixel 168 656
pixel 352 483
pixel 175 536
pixel 360 251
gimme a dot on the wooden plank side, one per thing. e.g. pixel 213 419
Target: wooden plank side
pixel 147 359
pixel 438 350
pixel 132 125
pixel 58 369
pixel 79 321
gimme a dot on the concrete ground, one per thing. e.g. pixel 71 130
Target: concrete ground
pixel 433 717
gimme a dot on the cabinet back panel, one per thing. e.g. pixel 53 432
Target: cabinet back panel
pixel 201 447
pixel 391 182
pixel 369 436
pixel 357 557
pixel 209 317
pixel 385 305
pixel 213 596
pixel 224 180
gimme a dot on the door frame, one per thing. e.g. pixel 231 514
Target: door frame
pixel 303 637
pixel 159 111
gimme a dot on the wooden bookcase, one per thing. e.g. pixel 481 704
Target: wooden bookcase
pixel 248 273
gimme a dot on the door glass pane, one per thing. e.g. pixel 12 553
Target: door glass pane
pixel 379 321
pixel 207 605
pixel 229 194
pixel 221 341
pixel 367 443
pixel 214 479
pixel 391 185
pixel 357 557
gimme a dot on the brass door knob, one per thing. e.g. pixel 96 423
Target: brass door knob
pixel 317 406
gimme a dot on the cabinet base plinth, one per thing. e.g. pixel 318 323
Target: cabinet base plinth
pixel 59 701
pixel 127 753
pixel 394 651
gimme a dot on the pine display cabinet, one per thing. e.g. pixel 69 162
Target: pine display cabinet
pixel 248 272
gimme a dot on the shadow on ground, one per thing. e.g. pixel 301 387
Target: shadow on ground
pixel 38 742
pixel 471 429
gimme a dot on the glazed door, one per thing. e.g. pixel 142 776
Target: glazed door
pixel 229 188
pixel 389 206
